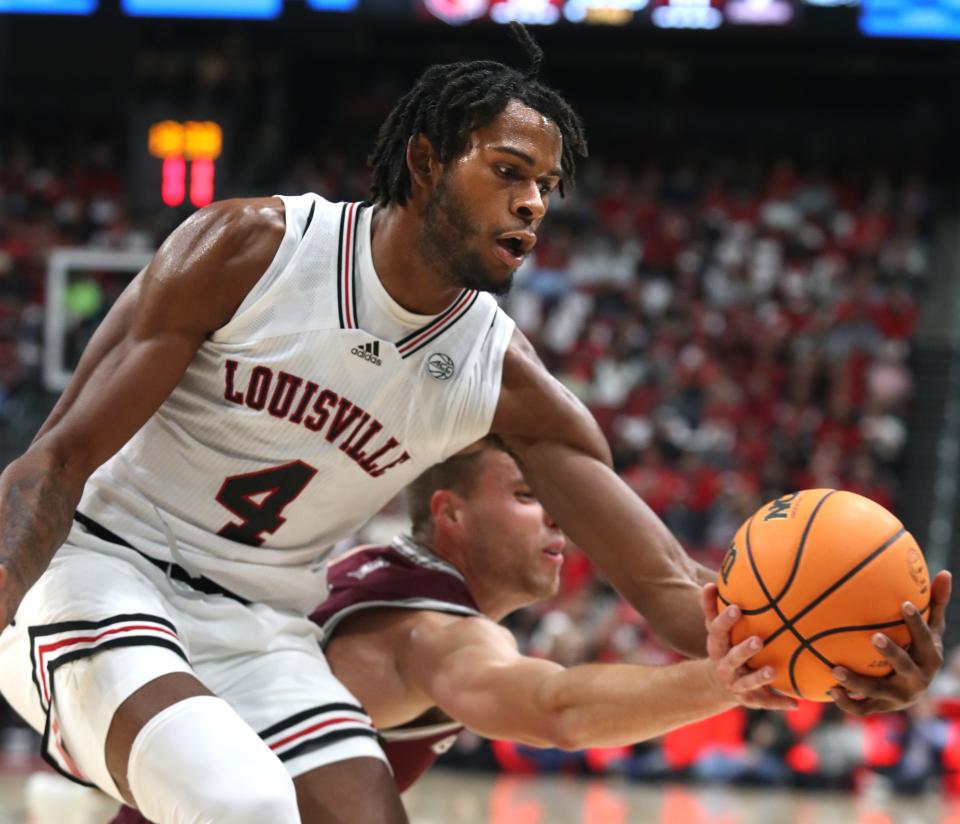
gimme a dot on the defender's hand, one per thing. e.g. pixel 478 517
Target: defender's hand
pixel 730 662
pixel 913 668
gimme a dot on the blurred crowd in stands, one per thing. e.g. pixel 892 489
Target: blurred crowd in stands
pixel 739 328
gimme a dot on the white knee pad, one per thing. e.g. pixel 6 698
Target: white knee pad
pixel 197 762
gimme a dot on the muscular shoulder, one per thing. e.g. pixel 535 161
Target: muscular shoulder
pixel 535 407
pixel 209 263
pixel 434 635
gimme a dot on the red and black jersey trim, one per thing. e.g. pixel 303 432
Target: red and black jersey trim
pixel 415 341
pixel 53 645
pixel 347 264
pixel 347 289
pixel 317 727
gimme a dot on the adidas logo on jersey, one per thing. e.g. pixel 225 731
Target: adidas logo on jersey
pixel 369 352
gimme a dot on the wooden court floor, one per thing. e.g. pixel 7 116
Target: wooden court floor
pixel 462 798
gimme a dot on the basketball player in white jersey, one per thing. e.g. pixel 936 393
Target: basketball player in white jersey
pixel 281 368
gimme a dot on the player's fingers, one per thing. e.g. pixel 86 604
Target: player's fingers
pixel 753 680
pixel 718 632
pixel 939 598
pixel 843 700
pixel 925 647
pixel 708 600
pixel 768 699
pixel 743 652
pixel 897 657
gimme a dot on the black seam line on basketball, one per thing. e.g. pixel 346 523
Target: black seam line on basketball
pixel 303 715
pixel 353 263
pixel 786 624
pixel 803 541
pixel 796 562
pixel 835 631
pixel 343 217
pixel 467 307
pixel 438 319
pixel 329 738
pixel 306 225
pixel 842 580
pixel 757 611
pixel 69 626
pixel 862 627
pixel 791 667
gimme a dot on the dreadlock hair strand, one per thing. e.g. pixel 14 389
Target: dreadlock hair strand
pixel 450 101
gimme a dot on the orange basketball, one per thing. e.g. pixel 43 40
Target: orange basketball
pixel 816 573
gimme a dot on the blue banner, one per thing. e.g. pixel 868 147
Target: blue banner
pixel 236 9
pixel 937 19
pixel 48 6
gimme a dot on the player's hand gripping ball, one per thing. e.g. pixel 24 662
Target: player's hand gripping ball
pixel 816 574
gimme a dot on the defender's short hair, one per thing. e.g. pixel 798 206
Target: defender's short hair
pixel 457 473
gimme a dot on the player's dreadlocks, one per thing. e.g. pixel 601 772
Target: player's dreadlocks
pixel 449 101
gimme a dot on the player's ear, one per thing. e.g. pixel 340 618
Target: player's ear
pixel 444 509
pixel 422 162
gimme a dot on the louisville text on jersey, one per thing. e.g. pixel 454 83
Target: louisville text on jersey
pixel 305 403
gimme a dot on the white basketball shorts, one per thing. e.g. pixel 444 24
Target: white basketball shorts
pixel 103 621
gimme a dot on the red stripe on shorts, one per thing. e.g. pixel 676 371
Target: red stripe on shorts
pixel 85 639
pixel 319 726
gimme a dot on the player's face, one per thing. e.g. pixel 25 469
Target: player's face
pixel 512 540
pixel 481 219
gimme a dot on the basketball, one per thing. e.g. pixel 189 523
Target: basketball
pixel 816 573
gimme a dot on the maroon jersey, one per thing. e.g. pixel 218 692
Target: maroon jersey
pixel 406 576
pixel 402 575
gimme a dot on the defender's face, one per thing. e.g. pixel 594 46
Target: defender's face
pixel 481 219
pixel 514 543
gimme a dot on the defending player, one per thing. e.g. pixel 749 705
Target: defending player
pixel 411 630
pixel 281 369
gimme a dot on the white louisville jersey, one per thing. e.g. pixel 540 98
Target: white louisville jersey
pixel 299 419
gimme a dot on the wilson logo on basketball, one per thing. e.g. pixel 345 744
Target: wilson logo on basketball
pixel 780 507
pixel 917 569
pixel 728 561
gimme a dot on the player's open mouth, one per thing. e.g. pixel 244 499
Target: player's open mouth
pixel 554 554
pixel 509 251
pixel 512 248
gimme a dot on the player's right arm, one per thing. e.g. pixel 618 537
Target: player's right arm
pixel 471 669
pixel 192 287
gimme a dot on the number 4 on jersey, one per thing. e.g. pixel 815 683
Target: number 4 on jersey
pixel 259 498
